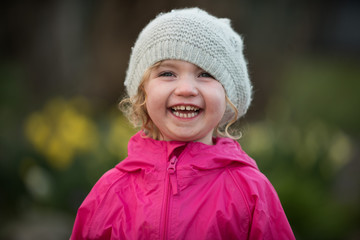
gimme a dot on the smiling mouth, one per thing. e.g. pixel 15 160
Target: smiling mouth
pixel 185 111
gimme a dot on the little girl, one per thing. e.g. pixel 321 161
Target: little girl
pixel 185 176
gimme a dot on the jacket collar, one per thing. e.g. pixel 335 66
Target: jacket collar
pixel 146 153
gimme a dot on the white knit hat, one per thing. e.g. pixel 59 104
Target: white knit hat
pixel 194 36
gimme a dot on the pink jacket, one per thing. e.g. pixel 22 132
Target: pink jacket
pixel 177 190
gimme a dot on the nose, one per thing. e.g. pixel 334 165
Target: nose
pixel 186 87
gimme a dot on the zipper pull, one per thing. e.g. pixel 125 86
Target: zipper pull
pixel 172 174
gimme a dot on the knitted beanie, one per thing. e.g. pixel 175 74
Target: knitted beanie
pixel 194 36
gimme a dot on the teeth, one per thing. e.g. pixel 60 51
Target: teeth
pixel 177 109
pixel 186 115
pixel 188 108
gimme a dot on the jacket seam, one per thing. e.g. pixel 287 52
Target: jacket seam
pixel 242 193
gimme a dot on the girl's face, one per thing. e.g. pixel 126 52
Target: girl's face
pixel 184 102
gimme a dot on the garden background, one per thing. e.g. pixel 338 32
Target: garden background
pixel 62 67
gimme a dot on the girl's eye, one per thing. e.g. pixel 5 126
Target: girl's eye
pixel 206 75
pixel 166 74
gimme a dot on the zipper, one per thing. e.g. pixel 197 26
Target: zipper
pixel 171 185
pixel 172 174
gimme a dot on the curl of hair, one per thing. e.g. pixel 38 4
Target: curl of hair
pixel 134 108
pixel 230 130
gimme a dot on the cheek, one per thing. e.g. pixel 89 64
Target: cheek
pixel 221 104
pixel 220 99
pixel 152 98
pixel 148 96
pixel 150 105
pixel 154 104
pixel 222 107
pixel 216 104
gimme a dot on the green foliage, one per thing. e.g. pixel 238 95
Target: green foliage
pixel 323 88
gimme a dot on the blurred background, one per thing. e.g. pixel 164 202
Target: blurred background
pixel 62 67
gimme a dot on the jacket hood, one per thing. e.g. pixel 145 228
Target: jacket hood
pixel 146 154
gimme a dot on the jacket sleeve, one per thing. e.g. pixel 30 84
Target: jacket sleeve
pixel 89 207
pixel 268 220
